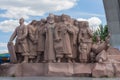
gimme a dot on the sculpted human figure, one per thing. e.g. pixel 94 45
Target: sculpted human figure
pixel 99 46
pixel 40 37
pixel 83 52
pixel 85 37
pixel 57 18
pixel 49 54
pixel 62 39
pixel 21 45
pixel 31 40
pixel 74 39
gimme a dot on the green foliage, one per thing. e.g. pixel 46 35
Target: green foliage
pixel 94 36
pixel 102 32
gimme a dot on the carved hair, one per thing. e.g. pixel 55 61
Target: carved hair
pixel 65 16
pixel 33 22
pixel 21 19
pixel 50 16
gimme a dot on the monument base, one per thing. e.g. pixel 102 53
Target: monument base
pixel 46 69
pixel 61 69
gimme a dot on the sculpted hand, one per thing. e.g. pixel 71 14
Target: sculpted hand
pixel 35 41
pixel 100 61
pixel 19 38
pixel 82 39
pixel 21 42
pixel 57 39
pixel 74 42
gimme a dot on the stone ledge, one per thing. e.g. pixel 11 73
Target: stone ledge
pixel 46 69
pixel 61 69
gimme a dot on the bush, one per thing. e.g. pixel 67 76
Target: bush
pixel 102 32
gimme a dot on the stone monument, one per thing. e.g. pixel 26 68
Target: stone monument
pixel 60 46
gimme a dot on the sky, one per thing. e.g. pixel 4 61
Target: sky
pixel 12 10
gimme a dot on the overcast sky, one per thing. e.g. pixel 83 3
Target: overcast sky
pixel 12 10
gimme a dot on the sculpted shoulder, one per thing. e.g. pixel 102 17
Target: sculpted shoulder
pixel 29 26
pixel 17 27
pixel 46 25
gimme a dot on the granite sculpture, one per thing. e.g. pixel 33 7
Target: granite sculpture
pixel 21 45
pixel 60 46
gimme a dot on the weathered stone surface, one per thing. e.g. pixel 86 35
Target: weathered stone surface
pixel 109 70
pixel 11 70
pixel 113 51
pixel 97 48
pixel 114 58
pixel 103 70
pixel 60 69
pixel 101 56
pixel 82 69
pixel 47 69
pixel 117 69
pixel 13 58
pixel 99 70
pixel 33 69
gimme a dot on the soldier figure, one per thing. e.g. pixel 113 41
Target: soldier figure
pixel 40 37
pixel 21 45
pixel 74 40
pixel 83 53
pixel 49 54
pixel 85 37
pixel 31 40
pixel 63 30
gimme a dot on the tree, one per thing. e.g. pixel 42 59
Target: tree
pixel 102 32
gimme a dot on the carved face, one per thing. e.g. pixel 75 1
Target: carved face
pixel 21 21
pixel 50 20
pixel 34 22
pixel 57 18
pixel 64 18
pixel 43 20
pixel 86 24
pixel 76 23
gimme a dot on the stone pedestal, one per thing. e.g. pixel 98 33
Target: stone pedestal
pixel 117 70
pixel 82 69
pixel 61 69
pixel 11 70
pixel 46 69
pixel 103 70
pixel 106 70
pixel 33 69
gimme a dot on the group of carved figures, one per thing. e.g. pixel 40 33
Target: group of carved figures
pixel 54 39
